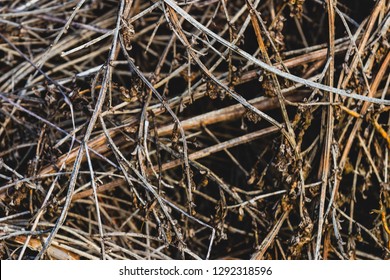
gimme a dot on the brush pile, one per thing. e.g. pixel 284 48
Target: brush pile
pixel 205 129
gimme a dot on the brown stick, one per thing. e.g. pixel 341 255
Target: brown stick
pixel 99 143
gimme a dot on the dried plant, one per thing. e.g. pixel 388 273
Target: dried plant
pixel 194 130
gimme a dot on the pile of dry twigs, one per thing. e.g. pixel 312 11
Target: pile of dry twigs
pixel 204 129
